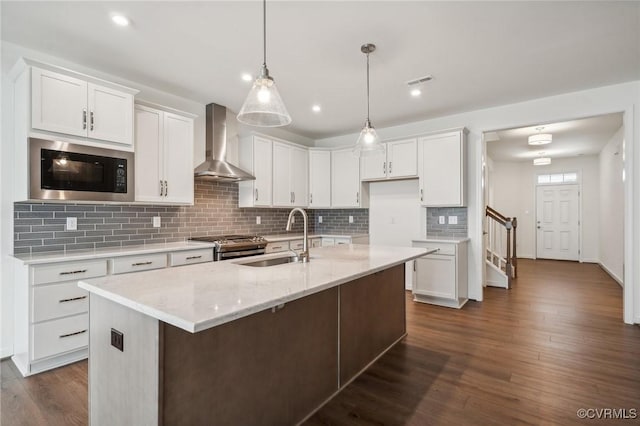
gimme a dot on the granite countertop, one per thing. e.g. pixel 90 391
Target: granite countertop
pixel 198 297
pixel 298 235
pixel 53 257
pixel 441 239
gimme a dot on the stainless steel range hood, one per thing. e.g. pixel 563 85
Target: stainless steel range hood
pixel 215 166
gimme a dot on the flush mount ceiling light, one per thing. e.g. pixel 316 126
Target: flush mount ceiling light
pixel 540 138
pixel 263 106
pixel 368 142
pixel 541 161
pixel 120 20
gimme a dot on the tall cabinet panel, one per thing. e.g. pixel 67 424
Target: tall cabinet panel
pixel 319 179
pixel 178 158
pixel 256 156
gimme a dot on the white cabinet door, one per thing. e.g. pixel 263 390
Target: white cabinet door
pixel 178 158
pixel 58 103
pixel 441 169
pixel 319 179
pixel 282 175
pixel 110 114
pixel 402 158
pixel 299 176
pixel 374 166
pixel 436 276
pixel 262 166
pixel 345 179
pixel 149 154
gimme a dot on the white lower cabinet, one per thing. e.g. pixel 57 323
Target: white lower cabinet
pixel 51 326
pixel 440 278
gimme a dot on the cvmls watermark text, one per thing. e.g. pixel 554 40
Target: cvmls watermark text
pixel 607 413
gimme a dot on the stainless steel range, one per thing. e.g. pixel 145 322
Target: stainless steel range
pixel 235 246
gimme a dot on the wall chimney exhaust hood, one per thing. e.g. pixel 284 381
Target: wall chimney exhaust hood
pixel 215 166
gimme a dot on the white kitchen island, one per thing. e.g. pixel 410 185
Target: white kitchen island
pixel 226 343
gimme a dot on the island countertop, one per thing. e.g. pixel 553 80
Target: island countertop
pixel 198 297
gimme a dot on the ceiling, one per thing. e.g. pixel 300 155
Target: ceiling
pixel 570 139
pixel 480 54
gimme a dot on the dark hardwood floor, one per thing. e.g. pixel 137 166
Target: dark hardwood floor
pixel 534 354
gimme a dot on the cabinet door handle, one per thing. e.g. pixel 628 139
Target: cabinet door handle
pixel 166 188
pixel 91 121
pixel 84 119
pixel 311 198
pixel 72 334
pixel 421 195
pixel 80 271
pixel 390 165
pixel 142 263
pixel 72 299
pixel 193 257
pixel 256 194
pixel 384 168
pixel 161 189
pixel 414 265
pixel 294 196
pixel 358 197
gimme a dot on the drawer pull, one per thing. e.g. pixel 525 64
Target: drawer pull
pixel 72 299
pixel 142 263
pixel 72 334
pixel 194 257
pixel 276 247
pixel 81 271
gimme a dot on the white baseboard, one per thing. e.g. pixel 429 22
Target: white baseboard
pixel 612 275
pixel 588 260
pixel 526 256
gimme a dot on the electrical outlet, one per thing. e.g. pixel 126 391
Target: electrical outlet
pixel 453 220
pixel 441 220
pixel 258 220
pixel 117 339
pixel 319 219
pixel 156 221
pixel 72 223
pixel 350 219
pixel 293 219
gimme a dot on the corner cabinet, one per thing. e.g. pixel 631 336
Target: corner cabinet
pixel 319 179
pixel 441 278
pixel 256 156
pixel 290 175
pixel 164 156
pixel 442 169
pixel 346 189
pixel 61 102
pixel 398 161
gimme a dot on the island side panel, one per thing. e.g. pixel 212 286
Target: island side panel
pixel 123 385
pixel 270 368
pixel 372 319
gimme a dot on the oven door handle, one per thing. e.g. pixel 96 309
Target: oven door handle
pixel 243 253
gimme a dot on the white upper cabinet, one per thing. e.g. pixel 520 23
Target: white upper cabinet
pixel 299 161
pixel 164 156
pixel 319 179
pixel 80 106
pixel 346 189
pixel 282 175
pixel 256 157
pixel 398 161
pixel 441 169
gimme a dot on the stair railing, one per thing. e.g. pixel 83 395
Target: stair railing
pixel 510 260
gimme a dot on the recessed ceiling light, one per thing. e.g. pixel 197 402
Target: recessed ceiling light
pixel 316 108
pixel 120 20
pixel 416 92
pixel 247 77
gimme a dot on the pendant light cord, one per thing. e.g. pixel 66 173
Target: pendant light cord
pixel 264 33
pixel 367 87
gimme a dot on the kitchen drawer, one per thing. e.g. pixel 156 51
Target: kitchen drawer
pixel 191 256
pixel 59 272
pixel 443 248
pixel 58 300
pixel 296 244
pixel 316 242
pixel 123 265
pixel 328 242
pixel 342 240
pixel 277 247
pixel 61 335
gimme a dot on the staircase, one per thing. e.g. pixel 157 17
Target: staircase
pixel 500 256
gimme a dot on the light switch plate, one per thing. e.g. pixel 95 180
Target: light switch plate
pixel 350 219
pixel 441 220
pixel 258 220
pixel 156 221
pixel 453 220
pixel 72 223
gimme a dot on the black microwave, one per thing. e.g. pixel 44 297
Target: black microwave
pixel 66 171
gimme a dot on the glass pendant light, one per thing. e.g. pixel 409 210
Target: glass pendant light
pixel 263 106
pixel 368 142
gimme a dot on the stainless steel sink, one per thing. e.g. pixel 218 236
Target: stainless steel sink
pixel 272 262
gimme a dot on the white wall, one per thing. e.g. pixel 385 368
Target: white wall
pixel 587 103
pixel 612 207
pixel 514 192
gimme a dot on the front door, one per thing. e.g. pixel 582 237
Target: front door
pixel 557 216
